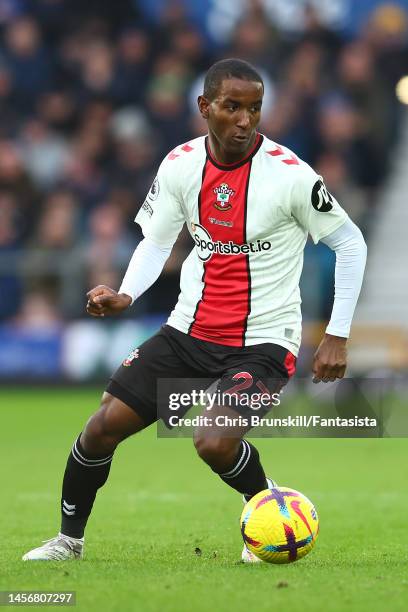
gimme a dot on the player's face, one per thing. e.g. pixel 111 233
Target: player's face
pixel 233 116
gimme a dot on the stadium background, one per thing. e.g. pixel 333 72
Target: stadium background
pixel 93 95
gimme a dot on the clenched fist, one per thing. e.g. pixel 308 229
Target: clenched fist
pixel 330 359
pixel 103 300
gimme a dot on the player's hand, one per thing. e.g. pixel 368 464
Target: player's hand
pixel 330 359
pixel 103 301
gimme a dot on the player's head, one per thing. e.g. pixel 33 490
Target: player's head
pixel 229 69
pixel 231 103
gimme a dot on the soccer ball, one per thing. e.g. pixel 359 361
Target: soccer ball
pixel 279 525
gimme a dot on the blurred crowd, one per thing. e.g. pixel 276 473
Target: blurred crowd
pixel 92 97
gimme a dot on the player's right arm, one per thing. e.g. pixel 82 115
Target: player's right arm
pixel 143 270
pixel 103 300
pixel 161 218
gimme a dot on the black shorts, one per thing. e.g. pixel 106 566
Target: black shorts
pixel 184 363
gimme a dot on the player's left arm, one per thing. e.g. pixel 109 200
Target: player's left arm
pixel 330 359
pixel 318 212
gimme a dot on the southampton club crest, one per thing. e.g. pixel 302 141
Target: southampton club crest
pixel 223 193
pixel 133 355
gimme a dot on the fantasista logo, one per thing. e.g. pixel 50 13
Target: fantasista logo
pixel 206 246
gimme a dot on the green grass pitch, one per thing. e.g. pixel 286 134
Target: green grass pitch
pixel 161 503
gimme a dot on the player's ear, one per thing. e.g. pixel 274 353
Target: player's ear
pixel 203 105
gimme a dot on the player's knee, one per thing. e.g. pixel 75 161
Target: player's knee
pixel 100 434
pixel 218 453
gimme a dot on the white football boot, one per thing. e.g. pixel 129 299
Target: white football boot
pixel 60 548
pixel 247 556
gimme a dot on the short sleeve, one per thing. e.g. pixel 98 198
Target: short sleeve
pixel 317 211
pixel 161 215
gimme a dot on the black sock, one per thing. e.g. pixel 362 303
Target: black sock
pixel 246 474
pixel 83 477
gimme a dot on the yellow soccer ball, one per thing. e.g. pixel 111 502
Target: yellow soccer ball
pixel 279 525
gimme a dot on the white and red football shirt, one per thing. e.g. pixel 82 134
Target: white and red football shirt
pixel 249 221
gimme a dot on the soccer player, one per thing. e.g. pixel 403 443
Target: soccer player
pixel 249 205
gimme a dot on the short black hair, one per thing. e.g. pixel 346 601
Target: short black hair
pixel 228 69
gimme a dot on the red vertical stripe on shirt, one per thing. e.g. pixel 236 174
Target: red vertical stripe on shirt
pixel 221 315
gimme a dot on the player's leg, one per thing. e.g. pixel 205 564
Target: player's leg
pixel 229 455
pixel 234 459
pixel 90 460
pixel 221 444
pixel 249 386
pixel 87 470
pixel 128 406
